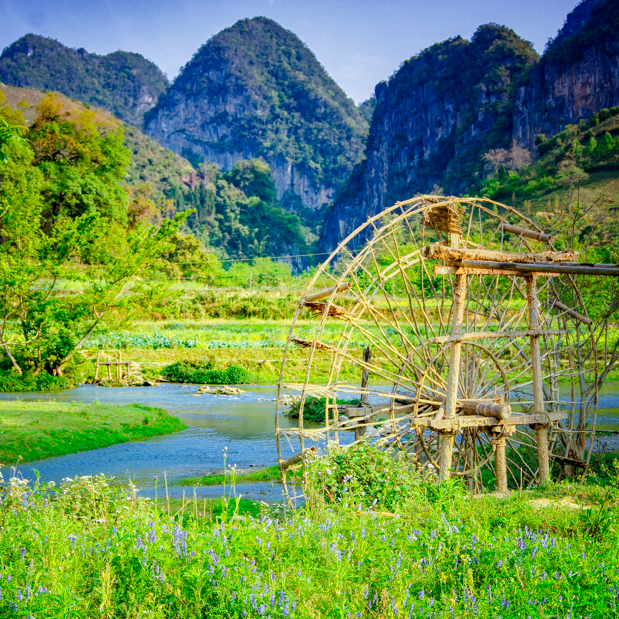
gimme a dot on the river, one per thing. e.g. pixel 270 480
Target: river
pixel 243 424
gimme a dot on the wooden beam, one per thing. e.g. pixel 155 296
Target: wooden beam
pixel 325 294
pixel 530 234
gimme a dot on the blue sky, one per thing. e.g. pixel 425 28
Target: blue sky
pixel 359 42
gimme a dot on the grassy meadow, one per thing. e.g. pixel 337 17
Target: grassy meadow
pixel 37 430
pixel 397 546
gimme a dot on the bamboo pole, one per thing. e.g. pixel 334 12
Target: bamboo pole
pixel 501 464
pixel 451 395
pixel 569 268
pixel 324 294
pixel 365 377
pixel 530 234
pixel 541 430
pixel 573 313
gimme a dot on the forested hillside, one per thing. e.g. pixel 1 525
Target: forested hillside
pixel 255 90
pixel 237 215
pixel 123 83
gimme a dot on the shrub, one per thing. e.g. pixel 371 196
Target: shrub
pixel 187 372
pixel 314 408
pixel 367 476
pixel 10 381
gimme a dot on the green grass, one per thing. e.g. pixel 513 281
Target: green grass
pixel 94 549
pixel 268 473
pixel 37 430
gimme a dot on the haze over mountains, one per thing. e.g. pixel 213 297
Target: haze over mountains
pixel 255 90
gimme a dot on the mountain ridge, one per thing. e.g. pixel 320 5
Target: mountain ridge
pixel 123 83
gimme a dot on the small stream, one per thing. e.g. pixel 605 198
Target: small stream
pixel 242 423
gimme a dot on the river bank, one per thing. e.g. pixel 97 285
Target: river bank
pixel 37 430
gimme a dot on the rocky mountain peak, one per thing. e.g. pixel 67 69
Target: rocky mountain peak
pixel 256 90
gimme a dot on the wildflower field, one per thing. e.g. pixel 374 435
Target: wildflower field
pixel 91 548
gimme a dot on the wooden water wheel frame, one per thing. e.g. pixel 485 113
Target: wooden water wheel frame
pixel 464 325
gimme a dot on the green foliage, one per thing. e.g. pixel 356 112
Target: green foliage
pixel 295 111
pixel 11 381
pixel 314 408
pixel 600 29
pixel 196 372
pixel 64 215
pixel 117 82
pixel 9 133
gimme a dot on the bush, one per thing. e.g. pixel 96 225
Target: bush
pixel 367 476
pixel 314 408
pixel 186 372
pixel 11 381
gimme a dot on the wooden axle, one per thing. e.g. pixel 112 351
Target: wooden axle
pixel 485 408
pixel 325 294
pixel 568 268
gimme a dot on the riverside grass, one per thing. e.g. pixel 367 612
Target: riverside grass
pixel 94 549
pixel 37 430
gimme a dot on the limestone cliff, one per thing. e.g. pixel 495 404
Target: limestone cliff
pixel 445 109
pixel 433 120
pixel 577 76
pixel 255 90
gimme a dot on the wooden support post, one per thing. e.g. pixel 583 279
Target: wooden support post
pixel 453 374
pixel 538 389
pixel 365 377
pixel 97 366
pixel 109 370
pixel 500 464
pixel 119 368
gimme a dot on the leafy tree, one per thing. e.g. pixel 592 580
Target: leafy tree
pixel 65 228
pixel 9 133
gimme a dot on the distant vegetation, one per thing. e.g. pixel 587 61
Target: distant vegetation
pixel 566 161
pixel 123 83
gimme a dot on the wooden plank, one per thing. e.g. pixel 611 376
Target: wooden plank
pixel 439 251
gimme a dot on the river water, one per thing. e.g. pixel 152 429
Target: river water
pixel 243 424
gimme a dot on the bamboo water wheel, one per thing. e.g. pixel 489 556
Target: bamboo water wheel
pixel 456 333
